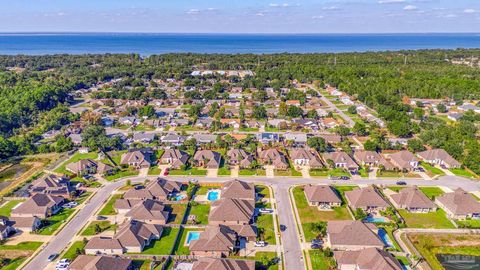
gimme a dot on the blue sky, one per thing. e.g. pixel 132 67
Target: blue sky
pixel 241 16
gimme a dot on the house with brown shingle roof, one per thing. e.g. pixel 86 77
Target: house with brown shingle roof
pixel 368 199
pixel 51 184
pixel 366 259
pixel 404 160
pixel 223 264
pixel 239 157
pixel 236 189
pixel 372 159
pixel 229 211
pixel 341 160
pixel 207 159
pixel 83 166
pixel 103 245
pixel 352 235
pixel 459 204
pixel 273 157
pixel 322 196
pixel 39 205
pixel 160 189
pixel 25 224
pixel 305 157
pixel 413 200
pixel 149 212
pixel 136 158
pixel 85 262
pixel 216 241
pixel 439 157
pixel 176 158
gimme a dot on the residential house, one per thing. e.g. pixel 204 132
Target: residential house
pixel 352 235
pixel 149 211
pixel 6 228
pixel 368 199
pixel 176 158
pixel 222 264
pixel 413 200
pixel 459 204
pixel 297 139
pixel 229 211
pixel 439 157
pixel 83 166
pixel 129 120
pixel 372 159
pixel 173 139
pixel 228 122
pixel 341 160
pixel 324 197
pixel 136 158
pixel 266 137
pixel 331 138
pixel 25 224
pixel 51 184
pixel 455 116
pixel 76 139
pixel 305 157
pixel 216 241
pixel 366 259
pixel 39 205
pixel 143 137
pixel 159 189
pixel 205 122
pixel 469 107
pixel 239 157
pixel 85 262
pixel 205 138
pixel 236 189
pixel 207 158
pixel 404 160
pixel 273 157
pixel 103 245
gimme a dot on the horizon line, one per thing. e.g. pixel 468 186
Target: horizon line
pixel 226 33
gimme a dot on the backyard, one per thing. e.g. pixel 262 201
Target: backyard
pixel 320 261
pixel 54 222
pixel 200 211
pixel 165 244
pixel 108 208
pixel 431 220
pixel 103 225
pixel 76 157
pixel 7 207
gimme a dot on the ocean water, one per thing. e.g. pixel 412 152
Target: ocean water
pixel 147 44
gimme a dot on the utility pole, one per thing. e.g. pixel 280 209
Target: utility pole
pixel 405 60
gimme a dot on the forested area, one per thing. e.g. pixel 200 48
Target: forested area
pixel 380 80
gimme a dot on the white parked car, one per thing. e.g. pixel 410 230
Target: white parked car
pixel 265 210
pixel 260 244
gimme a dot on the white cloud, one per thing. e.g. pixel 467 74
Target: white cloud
pixel 390 1
pixel 410 7
pixel 193 11
pixel 283 5
pixel 260 14
pixel 317 17
pixel 469 10
pixel 330 8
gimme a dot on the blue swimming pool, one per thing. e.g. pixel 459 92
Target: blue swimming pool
pixel 213 195
pixel 384 236
pixel 375 219
pixel 179 197
pixel 192 236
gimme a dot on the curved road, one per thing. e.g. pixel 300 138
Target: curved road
pixel 292 248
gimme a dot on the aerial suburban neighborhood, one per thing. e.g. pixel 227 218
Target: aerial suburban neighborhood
pixel 227 169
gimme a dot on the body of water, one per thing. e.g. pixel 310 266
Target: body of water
pixel 147 44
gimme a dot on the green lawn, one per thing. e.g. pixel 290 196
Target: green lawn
pixel 116 156
pixel 431 192
pixel 14 263
pixel 363 172
pixel 54 222
pixel 108 208
pixel 471 223
pixel 265 223
pixel 71 252
pixel 264 191
pixel 104 226
pixel 201 212
pixel 259 257
pixel 339 172
pixel 433 170
pixel 320 261
pixel 191 171
pixel 32 246
pixel 389 174
pixel 165 244
pixel 76 157
pixel 177 211
pixel 122 173
pixel 310 214
pixel 247 172
pixel 224 171
pixel 6 209
pixel 432 220
pixel 154 170
pixel 80 199
pixel 319 172
pixel 202 190
pixel 462 172
pixel 180 248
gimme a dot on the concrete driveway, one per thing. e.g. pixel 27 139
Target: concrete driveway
pixel 269 171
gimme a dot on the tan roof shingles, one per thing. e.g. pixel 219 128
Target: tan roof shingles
pixel 223 264
pixel 214 238
pixel 365 197
pixel 370 258
pixel 238 190
pixel 460 202
pixel 232 210
pixel 321 193
pixel 412 197
pixel 352 232
pixel 85 262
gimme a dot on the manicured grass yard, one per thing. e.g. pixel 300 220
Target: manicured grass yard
pixel 202 190
pixel 177 211
pixel 245 172
pixel 435 220
pixel 164 245
pixel 224 171
pixel 55 221
pixel 6 209
pixel 201 212
pixel 71 252
pixel 141 264
pixel 472 224
pixel 259 257
pixel 265 222
pixel 104 226
pixel 319 172
pixel 338 172
pixel 389 174
pixel 462 172
pixel 191 171
pixel 363 172
pixel 108 208
pixel 431 192
pixel 320 261
pixel 310 214
pixel 76 157
pixel 22 246
pixel 154 170
pixel 180 248
pixel 122 173
pixel 433 170
pixel 263 191
pixel 14 263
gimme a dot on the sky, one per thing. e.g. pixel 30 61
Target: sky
pixel 241 16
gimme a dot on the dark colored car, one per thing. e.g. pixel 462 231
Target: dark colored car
pixel 52 257
pixel 283 227
pixel 401 183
